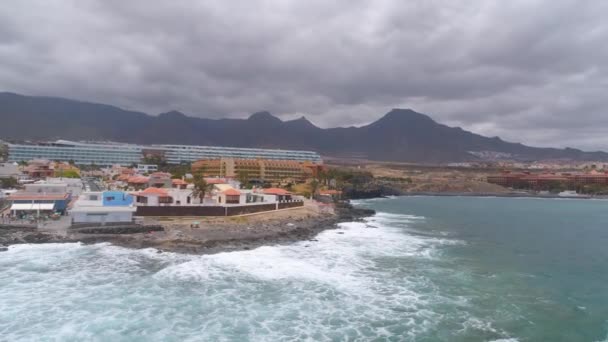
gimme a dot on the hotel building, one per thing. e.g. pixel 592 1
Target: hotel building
pixel 267 170
pixel 126 154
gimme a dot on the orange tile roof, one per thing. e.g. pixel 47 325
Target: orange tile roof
pixel 276 191
pixel 232 192
pixel 160 175
pixel 178 181
pixel 138 180
pixel 153 192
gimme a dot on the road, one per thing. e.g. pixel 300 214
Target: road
pixel 92 184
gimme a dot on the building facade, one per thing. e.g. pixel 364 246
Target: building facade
pixel 34 203
pixel 107 154
pixel 528 180
pixel 266 170
pixel 39 168
pixel 147 168
pixel 8 170
pixel 103 207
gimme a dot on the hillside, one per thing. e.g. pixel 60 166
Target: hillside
pixel 401 135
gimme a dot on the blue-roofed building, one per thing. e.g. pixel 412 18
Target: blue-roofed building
pixel 116 198
pixel 103 207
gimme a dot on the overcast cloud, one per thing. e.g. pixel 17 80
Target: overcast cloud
pixel 528 71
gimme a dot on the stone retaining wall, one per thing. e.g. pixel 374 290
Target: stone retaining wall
pixel 127 229
pixel 292 204
pixel 214 210
pixel 250 209
pixel 19 226
pixel 180 211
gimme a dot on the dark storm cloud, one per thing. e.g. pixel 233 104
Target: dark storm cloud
pixel 531 71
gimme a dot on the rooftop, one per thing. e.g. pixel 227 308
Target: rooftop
pixel 232 192
pixel 35 196
pixel 276 191
pixel 138 180
pixel 153 192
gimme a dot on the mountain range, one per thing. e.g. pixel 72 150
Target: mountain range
pixel 401 135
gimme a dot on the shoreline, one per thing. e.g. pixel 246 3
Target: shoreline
pixel 386 192
pixel 213 235
pixel 506 195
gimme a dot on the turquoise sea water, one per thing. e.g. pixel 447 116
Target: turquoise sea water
pixel 423 269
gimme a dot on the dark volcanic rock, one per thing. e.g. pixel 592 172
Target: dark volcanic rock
pixel 346 212
pixel 371 190
pixel 129 229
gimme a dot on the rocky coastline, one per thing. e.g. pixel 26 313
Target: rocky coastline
pixel 210 236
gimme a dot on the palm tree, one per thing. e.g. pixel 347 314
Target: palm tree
pixel 314 186
pixel 200 186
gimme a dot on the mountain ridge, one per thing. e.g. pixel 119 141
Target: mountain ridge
pixel 402 135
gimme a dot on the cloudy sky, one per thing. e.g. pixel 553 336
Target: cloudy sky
pixel 525 70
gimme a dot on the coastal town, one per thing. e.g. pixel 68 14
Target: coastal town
pixel 70 189
pixel 106 191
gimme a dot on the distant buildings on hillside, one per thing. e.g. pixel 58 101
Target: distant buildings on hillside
pixel 548 180
pixel 534 165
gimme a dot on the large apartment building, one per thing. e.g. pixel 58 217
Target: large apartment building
pixel 126 154
pixel 257 169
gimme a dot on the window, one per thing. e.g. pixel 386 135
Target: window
pixel 110 198
pixel 93 198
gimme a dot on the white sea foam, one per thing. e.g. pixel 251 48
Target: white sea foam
pixel 347 285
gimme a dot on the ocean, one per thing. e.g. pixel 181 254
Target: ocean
pixel 422 269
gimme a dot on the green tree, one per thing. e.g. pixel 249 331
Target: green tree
pixel 177 171
pixel 200 186
pixel 154 159
pixel 68 174
pixel 243 177
pixel 314 186
pixel 94 167
pixel 323 177
pixel 3 152
pixel 7 183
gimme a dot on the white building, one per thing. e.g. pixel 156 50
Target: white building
pixel 43 187
pixel 146 168
pixel 103 207
pixel 8 170
pixel 74 186
pixel 5 193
